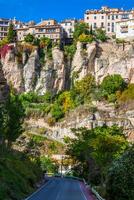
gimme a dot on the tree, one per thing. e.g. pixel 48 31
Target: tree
pixel 29 38
pixel 57 111
pixel 80 28
pixel 101 35
pixel 112 83
pixel 15 112
pixel 84 87
pixel 120 180
pixel 70 50
pixel 45 42
pixel 86 38
pixel 98 148
pixel 11 35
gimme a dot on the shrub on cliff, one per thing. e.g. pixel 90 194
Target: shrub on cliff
pixel 80 28
pixel 111 84
pixel 101 35
pixel 128 94
pixel 29 38
pixel 86 38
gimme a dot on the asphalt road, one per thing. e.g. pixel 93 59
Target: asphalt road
pixel 60 189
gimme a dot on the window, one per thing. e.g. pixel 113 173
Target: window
pixel 95 17
pixel 112 17
pixel 112 24
pixel 112 28
pixel 108 29
pixel 108 24
pixel 87 17
pixel 108 16
pixel 125 16
pixel 116 16
pixel 102 17
pixel 102 25
pixel 95 25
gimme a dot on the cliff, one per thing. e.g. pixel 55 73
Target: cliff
pixel 24 72
pixel 99 59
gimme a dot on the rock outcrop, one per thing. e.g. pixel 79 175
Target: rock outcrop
pixel 83 61
pixel 4 88
pixel 115 59
pixel 99 59
pixel 105 114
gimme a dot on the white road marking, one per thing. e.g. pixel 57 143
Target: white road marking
pixel 83 193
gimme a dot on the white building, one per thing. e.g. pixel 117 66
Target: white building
pixel 68 27
pixel 106 18
pixel 125 30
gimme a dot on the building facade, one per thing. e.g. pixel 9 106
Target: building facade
pixel 4 25
pixel 68 27
pixel 48 28
pixel 125 30
pixel 106 18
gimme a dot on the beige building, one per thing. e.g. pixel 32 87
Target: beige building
pixel 47 28
pixel 125 30
pixel 106 18
pixel 4 24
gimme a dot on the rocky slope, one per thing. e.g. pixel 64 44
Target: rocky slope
pixel 85 116
pixel 56 74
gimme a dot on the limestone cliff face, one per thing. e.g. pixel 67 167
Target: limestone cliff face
pixel 4 88
pixel 83 61
pixel 12 70
pixel 105 114
pixel 31 72
pixel 52 74
pixel 114 59
pixel 55 75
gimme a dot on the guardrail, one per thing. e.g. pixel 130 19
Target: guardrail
pixel 93 191
pixel 96 194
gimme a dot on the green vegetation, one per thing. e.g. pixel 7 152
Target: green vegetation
pixel 11 35
pixel 48 165
pixel 18 175
pixel 111 85
pixel 29 38
pixel 70 50
pixel 86 38
pixel 127 95
pixel 101 35
pixel 80 28
pixel 94 151
pixel 120 179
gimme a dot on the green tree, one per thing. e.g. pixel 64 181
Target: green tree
pixel 86 38
pixel 47 165
pixel 121 177
pixel 101 35
pixel 70 50
pixel 128 94
pixel 111 84
pixel 11 35
pixel 29 38
pixel 57 111
pixel 97 147
pixel 15 112
pixel 85 86
pixel 80 28
pixel 45 42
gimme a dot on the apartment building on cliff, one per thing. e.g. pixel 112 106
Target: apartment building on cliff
pixel 106 18
pixel 47 28
pixel 125 30
pixel 68 26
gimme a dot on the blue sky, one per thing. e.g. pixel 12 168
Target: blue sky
pixel 59 9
